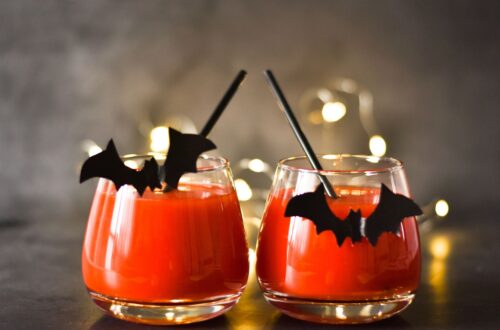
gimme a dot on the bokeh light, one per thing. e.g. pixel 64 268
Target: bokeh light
pixel 333 111
pixel 160 140
pixel 377 145
pixel 257 165
pixel 442 208
pixel 440 247
pixel 243 190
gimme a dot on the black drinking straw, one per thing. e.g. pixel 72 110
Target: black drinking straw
pixel 294 124
pixel 223 103
pixel 219 109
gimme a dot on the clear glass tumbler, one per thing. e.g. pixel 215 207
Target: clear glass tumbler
pixel 167 258
pixel 308 276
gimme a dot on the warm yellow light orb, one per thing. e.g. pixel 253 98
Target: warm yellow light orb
pixel 243 190
pixel 440 247
pixel 159 139
pixel 333 111
pixel 377 145
pixel 257 165
pixel 442 208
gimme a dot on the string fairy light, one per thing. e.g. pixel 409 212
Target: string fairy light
pixel 377 145
pixel 160 140
pixel 323 106
pixel 243 190
pixel 333 111
pixel 442 208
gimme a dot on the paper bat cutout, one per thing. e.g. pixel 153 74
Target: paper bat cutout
pixel 182 155
pixel 108 164
pixel 390 212
pixel 387 217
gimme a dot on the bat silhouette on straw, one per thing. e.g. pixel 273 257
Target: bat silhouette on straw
pixel 182 155
pixel 391 210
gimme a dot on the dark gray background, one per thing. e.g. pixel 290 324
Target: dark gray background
pixel 71 70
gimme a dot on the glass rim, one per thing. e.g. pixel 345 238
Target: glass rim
pixel 394 164
pixel 223 163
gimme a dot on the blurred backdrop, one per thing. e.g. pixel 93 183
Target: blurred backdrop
pixel 74 71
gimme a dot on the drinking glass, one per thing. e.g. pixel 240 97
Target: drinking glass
pixel 308 276
pixel 167 257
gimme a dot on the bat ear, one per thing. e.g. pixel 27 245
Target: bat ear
pixel 111 145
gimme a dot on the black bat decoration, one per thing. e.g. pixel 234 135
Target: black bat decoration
pixel 182 155
pixel 314 207
pixel 108 164
pixel 390 212
pixel 387 217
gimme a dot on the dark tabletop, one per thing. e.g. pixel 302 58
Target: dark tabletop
pixel 41 285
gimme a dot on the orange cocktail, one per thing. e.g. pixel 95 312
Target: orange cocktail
pixel 166 252
pixel 308 276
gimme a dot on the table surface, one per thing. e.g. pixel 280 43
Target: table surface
pixel 41 285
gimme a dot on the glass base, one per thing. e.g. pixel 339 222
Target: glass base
pixel 342 312
pixel 164 313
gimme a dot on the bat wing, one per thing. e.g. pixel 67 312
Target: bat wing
pixel 108 164
pixel 182 155
pixel 314 207
pixel 391 210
